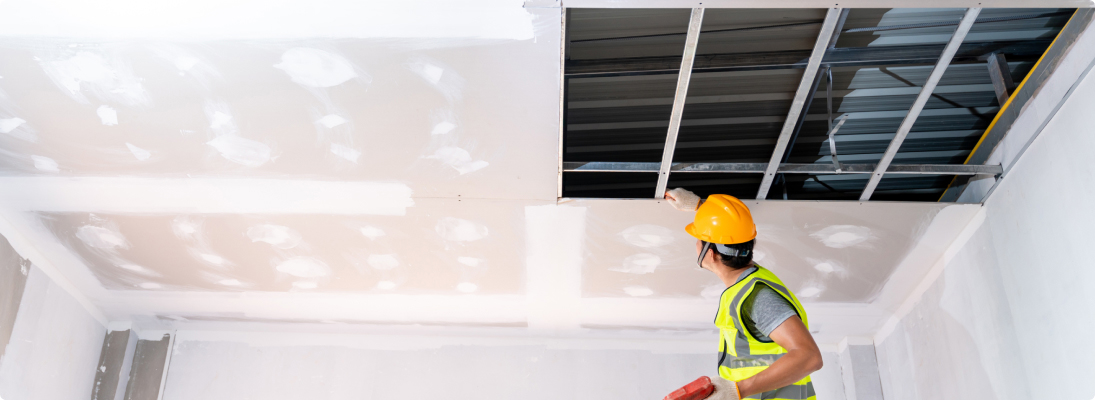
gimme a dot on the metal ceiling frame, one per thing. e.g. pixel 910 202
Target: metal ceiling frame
pixel 823 54
pixel 921 100
pixel 695 23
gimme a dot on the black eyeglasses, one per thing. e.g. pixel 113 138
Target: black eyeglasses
pixel 706 247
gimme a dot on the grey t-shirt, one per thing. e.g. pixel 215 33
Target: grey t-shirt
pixel 764 310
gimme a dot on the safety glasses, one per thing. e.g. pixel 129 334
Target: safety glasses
pixel 703 252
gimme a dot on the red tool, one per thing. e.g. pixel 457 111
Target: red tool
pixel 699 389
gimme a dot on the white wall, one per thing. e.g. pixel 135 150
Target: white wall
pixel 54 347
pixel 1012 314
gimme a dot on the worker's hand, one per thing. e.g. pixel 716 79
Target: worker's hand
pixel 724 389
pixel 682 199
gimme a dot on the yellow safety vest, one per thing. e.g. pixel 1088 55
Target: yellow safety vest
pixel 748 356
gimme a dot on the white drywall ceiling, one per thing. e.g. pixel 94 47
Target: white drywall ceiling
pixel 211 164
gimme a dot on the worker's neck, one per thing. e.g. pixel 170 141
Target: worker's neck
pixel 729 276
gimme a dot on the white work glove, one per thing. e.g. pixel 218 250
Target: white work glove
pixel 682 199
pixel 724 389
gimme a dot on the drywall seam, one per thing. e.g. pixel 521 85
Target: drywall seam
pixel 929 279
pixel 554 237
pixel 212 195
pixel 30 252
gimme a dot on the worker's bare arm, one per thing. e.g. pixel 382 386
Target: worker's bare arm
pixel 802 358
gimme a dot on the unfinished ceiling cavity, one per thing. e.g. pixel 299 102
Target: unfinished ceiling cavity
pixel 623 68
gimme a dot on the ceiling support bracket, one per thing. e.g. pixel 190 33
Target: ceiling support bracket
pixel 805 86
pixel 921 100
pixel 1002 82
pixel 690 42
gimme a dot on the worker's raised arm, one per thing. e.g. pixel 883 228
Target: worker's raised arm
pixel 802 358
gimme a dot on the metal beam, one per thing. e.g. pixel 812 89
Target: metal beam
pixel 690 42
pixel 1045 67
pixel 805 89
pixel 928 54
pixel 785 168
pixel 921 99
pixel 1000 74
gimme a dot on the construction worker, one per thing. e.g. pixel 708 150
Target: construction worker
pixel 765 350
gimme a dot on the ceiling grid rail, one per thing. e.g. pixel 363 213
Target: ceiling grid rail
pixel 784 168
pixel 691 41
pixel 921 100
pixel 798 104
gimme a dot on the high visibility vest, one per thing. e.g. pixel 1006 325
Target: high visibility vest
pixel 740 354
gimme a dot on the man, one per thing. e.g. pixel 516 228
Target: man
pixel 766 350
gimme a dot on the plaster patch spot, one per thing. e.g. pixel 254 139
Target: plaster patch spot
pixel 185 63
pixel 810 291
pixel 759 254
pixel 183 227
pixel 241 151
pixel 229 282
pixel 346 153
pixel 107 115
pixel 383 262
pixel 331 120
pixel 825 268
pixel 45 164
pixel 304 285
pixel 372 232
pixel 460 230
pixel 459 159
pixel 101 238
pixel 91 73
pixel 431 73
pixel 642 263
pixel 138 269
pixel 386 285
pixel 442 128
pixel 469 261
pixel 304 267
pixel 9 124
pixel 213 259
pixel 315 68
pixel 712 291
pixel 842 236
pixel 139 153
pixel 467 287
pixel 638 291
pixel 149 285
pixel 278 236
pixel 648 236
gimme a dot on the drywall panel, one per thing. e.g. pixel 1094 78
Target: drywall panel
pixel 231 370
pixel 13 278
pixel 828 381
pixel 439 246
pixel 824 251
pixel 54 348
pixel 448 117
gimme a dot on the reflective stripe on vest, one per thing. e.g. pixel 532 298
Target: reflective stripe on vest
pixel 740 354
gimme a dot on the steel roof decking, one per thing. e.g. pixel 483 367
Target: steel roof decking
pixel 620 93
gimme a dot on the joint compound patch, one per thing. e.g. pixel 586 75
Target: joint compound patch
pixel 642 263
pixel 241 151
pixel 9 124
pixel 842 236
pixel 712 291
pixel 278 236
pixel 467 287
pixel 372 232
pixel 345 153
pixel 45 164
pixel 648 236
pixel 107 115
pixel 138 153
pixel 101 238
pixel 304 267
pixel 86 72
pixel 331 121
pixel 316 68
pixel 460 230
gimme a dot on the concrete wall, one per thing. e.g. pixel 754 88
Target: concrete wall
pixel 1011 314
pixel 54 344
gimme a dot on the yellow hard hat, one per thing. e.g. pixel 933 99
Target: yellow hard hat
pixel 723 219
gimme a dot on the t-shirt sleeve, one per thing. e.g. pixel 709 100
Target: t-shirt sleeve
pixel 767 309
